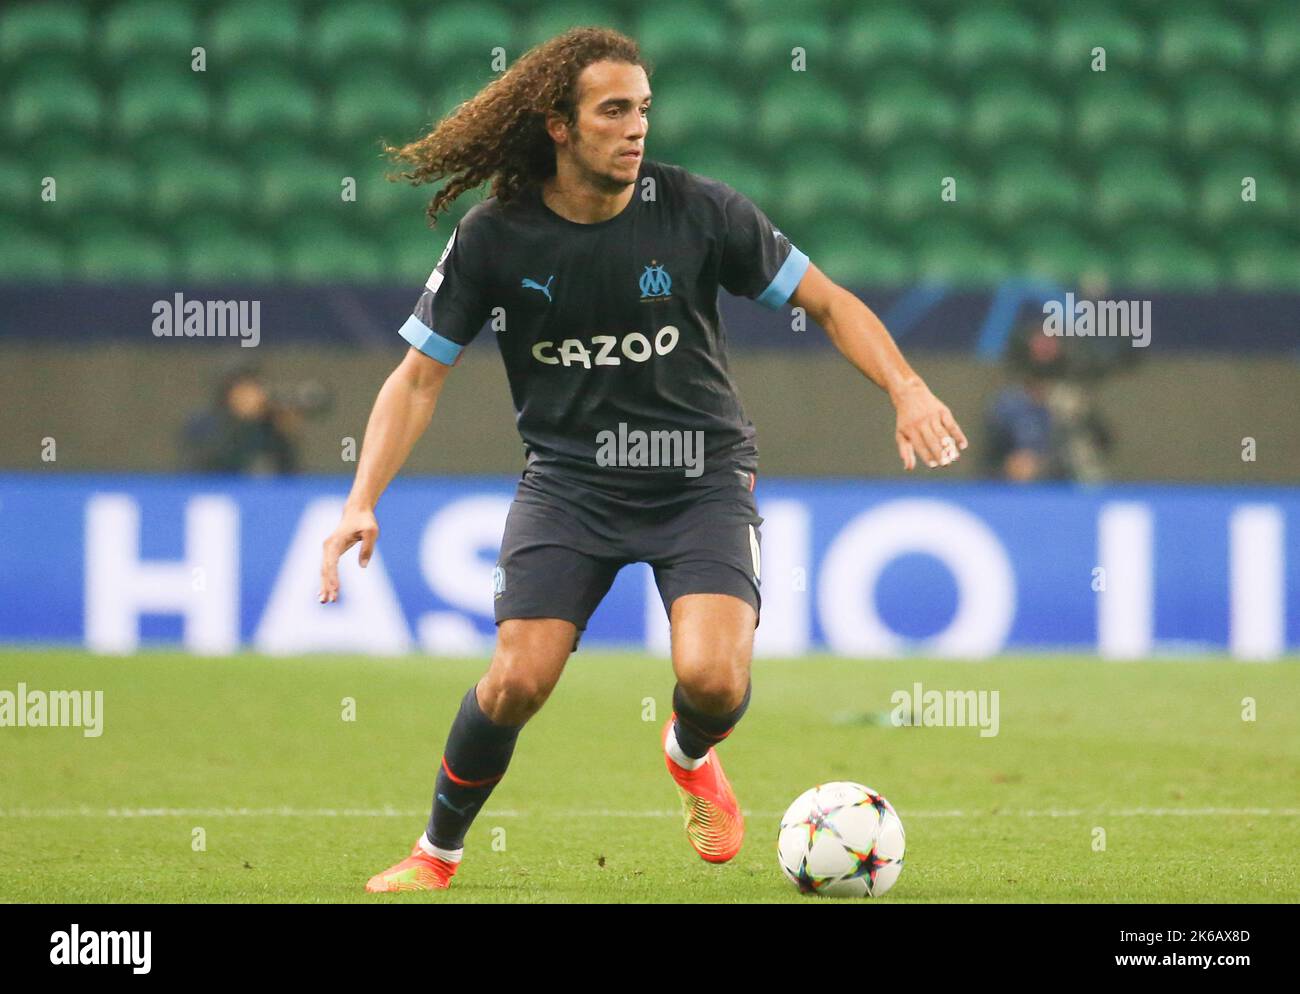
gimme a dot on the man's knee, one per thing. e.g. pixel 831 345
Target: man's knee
pixel 526 665
pixel 714 684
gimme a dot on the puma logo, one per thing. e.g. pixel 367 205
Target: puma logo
pixel 528 284
pixel 463 810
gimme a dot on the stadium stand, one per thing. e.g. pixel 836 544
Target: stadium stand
pixel 236 171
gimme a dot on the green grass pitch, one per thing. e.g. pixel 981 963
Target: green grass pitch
pixel 297 804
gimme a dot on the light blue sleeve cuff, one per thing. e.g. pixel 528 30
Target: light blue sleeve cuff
pixel 428 341
pixel 785 280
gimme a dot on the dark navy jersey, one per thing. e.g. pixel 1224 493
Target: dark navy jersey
pixel 610 332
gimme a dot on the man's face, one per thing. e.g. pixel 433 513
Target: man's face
pixel 607 141
pixel 247 400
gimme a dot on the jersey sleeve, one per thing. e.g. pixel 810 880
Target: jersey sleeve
pixel 453 306
pixel 758 261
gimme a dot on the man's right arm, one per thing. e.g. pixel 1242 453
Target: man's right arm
pixel 402 411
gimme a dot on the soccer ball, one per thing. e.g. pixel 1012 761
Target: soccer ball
pixel 841 839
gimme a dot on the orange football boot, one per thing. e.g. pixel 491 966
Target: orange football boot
pixel 714 824
pixel 419 871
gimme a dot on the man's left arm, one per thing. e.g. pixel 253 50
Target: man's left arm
pixel 925 426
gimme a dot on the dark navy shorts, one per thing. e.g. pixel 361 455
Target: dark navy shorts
pixel 564 544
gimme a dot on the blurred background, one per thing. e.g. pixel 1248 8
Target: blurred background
pixel 955 164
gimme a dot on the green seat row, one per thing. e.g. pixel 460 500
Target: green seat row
pixel 1208 112
pixel 949 251
pixel 1175 38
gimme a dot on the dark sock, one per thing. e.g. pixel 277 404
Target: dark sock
pixel 697 731
pixel 474 760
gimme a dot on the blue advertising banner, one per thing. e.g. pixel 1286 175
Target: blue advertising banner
pixel 863 569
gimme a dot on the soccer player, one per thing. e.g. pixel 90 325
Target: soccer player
pixel 600 271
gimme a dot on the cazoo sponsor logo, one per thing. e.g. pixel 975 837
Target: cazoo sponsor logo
pixel 635 347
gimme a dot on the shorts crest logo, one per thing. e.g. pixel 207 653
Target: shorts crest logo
pixel 498 581
pixel 655 281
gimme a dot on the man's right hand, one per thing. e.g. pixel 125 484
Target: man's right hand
pixel 356 525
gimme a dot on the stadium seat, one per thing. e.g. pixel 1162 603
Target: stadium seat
pixel 29 254
pixel 694 106
pixel 1032 183
pixel 1163 257
pixel 268 152
pixel 382 205
pixel 1116 109
pixel 453 83
pixel 869 262
pixel 46 152
pixel 154 147
pixel 40 105
pixel 20 186
pixel 1261 258
pixel 904 106
pixel 410 226
pixel 750 11
pixel 31 29
pixel 886 36
pixel 1198 39
pixel 246 31
pixel 715 162
pixel 103 189
pixel 1289 129
pixel 1219 192
pixel 220 253
pixel 769 46
pixel 155 101
pixel 364 108
pixel 123 255
pixel 1279 41
pixel 307 186
pixel 803 108
pixel 1137 184
pixel 1010 109
pixel 1052 250
pixel 853 253
pixel 1218 113
pixel 188 183
pixel 816 183
pixel 911 182
pixel 412 249
pixel 148 29
pixel 466 32
pixel 317 252
pixel 358 32
pixel 983 36
pixel 268 102
pixel 950 253
pixel 685 32
pixel 557 18
pixel 1076 32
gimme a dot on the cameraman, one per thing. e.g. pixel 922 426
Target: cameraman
pixel 1044 425
pixel 245 431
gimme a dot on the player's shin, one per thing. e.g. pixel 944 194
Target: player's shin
pixel 695 731
pixel 475 759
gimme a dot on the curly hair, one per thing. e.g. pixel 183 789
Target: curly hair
pixel 500 133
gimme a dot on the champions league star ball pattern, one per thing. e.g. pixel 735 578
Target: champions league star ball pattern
pixel 841 839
